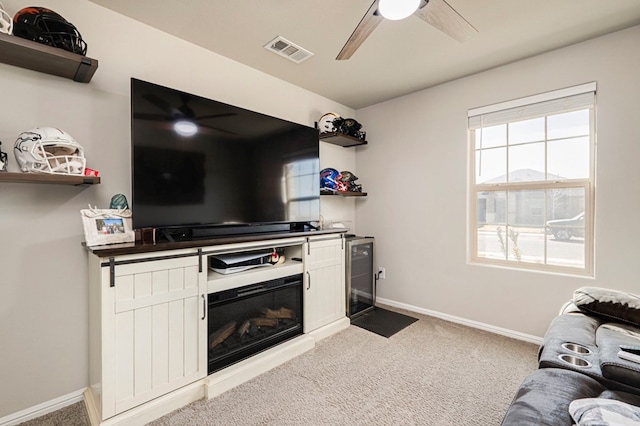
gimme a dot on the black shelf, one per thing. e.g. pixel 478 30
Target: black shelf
pixel 75 180
pixel 39 57
pixel 341 139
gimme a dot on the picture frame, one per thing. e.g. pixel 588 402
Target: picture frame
pixel 107 226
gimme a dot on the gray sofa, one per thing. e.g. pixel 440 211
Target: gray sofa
pixel 581 378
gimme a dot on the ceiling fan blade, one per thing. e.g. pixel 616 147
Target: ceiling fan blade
pixel 217 129
pixel 367 24
pixel 442 16
pixel 162 104
pixel 151 117
pixel 206 117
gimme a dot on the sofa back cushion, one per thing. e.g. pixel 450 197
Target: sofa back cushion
pixel 610 304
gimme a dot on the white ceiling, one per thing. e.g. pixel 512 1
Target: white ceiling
pixel 400 57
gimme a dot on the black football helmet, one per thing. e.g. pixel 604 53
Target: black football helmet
pixel 348 126
pixel 47 27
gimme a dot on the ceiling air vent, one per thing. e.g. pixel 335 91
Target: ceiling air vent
pixel 285 48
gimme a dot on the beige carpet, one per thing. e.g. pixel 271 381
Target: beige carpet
pixel 431 373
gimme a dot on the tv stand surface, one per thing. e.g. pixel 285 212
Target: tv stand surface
pixel 138 247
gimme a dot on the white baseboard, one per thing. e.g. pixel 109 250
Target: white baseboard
pixel 458 320
pixel 152 410
pixel 330 329
pixel 41 409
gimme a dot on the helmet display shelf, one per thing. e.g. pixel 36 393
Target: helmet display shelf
pixel 343 193
pixel 52 156
pixel 73 180
pixel 345 141
pixel 40 57
pixel 341 139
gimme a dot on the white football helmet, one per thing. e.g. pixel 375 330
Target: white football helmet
pixel 6 23
pixel 49 150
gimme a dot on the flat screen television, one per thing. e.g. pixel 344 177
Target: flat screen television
pixel 203 168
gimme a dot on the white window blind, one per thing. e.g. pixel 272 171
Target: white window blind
pixel 564 100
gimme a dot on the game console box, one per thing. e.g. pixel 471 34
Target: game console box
pixel 237 262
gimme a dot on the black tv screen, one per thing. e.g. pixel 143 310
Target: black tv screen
pixel 200 163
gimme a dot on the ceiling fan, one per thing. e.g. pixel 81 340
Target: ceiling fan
pixel 437 13
pixel 183 116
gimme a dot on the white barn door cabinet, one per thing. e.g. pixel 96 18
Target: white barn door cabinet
pixel 148 331
pixel 324 299
pixel 148 319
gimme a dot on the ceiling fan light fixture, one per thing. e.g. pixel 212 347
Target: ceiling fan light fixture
pixel 397 9
pixel 185 128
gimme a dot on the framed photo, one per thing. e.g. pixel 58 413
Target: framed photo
pixel 107 226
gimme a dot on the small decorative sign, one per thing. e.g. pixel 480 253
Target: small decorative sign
pixel 107 226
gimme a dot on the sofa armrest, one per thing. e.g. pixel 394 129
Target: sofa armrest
pixel 544 396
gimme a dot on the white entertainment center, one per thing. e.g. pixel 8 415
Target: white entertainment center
pixel 149 318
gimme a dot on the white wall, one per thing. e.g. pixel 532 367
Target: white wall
pixel 416 169
pixel 43 273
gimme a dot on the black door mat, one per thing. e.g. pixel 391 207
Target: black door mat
pixel 383 322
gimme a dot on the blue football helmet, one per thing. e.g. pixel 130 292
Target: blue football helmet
pixel 330 179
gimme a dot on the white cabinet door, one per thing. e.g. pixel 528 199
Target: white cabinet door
pixel 154 330
pixel 324 296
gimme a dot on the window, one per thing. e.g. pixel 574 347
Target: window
pixel 532 182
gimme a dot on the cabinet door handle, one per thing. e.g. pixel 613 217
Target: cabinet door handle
pixel 112 272
pixel 204 307
pixel 308 280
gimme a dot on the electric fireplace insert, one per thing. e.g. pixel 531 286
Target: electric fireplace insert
pixel 247 320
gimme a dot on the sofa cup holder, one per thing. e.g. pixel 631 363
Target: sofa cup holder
pixel 574 361
pixel 576 348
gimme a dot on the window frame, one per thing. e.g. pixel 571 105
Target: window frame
pixel 587 184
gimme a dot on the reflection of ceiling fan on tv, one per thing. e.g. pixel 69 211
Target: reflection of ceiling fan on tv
pixel 183 117
pixel 437 13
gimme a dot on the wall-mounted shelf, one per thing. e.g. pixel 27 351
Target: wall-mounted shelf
pixel 28 54
pixel 74 180
pixel 344 194
pixel 341 139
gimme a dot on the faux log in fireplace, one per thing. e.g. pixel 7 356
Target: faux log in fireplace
pixel 246 320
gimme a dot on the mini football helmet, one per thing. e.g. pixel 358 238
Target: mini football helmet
pixel 47 27
pixel 325 124
pixel 6 23
pixel 330 180
pixel 349 180
pixel 49 150
pixel 348 126
pixel 119 202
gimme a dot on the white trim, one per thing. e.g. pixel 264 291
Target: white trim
pixel 458 320
pixel 330 329
pixel 152 410
pixel 42 409
pixel 541 97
